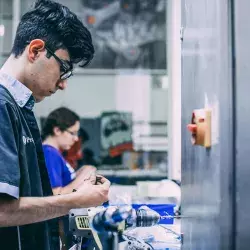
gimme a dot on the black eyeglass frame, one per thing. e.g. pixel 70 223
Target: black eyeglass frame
pixel 65 66
pixel 72 133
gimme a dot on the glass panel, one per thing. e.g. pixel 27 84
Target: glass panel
pixel 127 34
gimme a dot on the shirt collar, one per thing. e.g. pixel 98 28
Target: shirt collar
pixel 21 94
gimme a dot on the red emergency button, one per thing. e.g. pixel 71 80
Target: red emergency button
pixel 200 127
pixel 192 128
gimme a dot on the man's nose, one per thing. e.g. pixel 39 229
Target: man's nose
pixel 62 84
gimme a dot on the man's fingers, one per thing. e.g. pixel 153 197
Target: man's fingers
pixel 103 181
pixel 89 176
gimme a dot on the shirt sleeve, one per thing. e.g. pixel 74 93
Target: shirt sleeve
pixel 9 160
pixel 54 164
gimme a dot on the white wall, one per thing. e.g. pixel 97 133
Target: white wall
pixel 159 105
pixel 88 95
pixel 133 95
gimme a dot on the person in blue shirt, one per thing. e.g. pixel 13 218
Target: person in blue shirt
pixel 59 133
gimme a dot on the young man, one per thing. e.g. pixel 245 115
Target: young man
pixel 49 40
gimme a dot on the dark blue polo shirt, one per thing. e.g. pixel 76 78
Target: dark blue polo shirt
pixel 22 166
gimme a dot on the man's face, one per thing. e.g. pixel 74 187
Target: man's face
pixel 44 74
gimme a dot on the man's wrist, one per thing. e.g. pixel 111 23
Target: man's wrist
pixel 67 201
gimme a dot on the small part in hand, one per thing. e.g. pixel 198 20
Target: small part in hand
pixel 98 180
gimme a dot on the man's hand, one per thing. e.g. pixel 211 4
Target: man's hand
pixel 85 169
pixel 87 172
pixel 89 195
pixel 27 210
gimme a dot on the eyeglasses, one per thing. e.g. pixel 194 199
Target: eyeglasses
pixel 66 67
pixel 76 134
pixel 85 63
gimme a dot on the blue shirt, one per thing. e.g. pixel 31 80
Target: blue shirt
pixel 60 172
pixel 22 165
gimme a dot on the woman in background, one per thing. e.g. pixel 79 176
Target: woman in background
pixel 60 132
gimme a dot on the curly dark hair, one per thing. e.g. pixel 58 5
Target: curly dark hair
pixel 58 27
pixel 63 118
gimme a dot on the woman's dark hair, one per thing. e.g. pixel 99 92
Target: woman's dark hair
pixel 58 27
pixel 63 118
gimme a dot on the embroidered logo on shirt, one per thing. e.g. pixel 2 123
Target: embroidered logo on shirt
pixel 27 140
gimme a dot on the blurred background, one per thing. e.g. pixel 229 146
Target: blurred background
pixel 123 96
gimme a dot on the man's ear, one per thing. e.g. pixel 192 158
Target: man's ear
pixel 57 131
pixel 34 48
